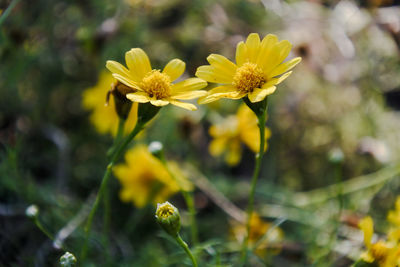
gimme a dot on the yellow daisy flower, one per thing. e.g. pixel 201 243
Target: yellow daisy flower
pixel 153 85
pixel 103 116
pixel 145 179
pixel 385 254
pixel 258 228
pixel 259 68
pixel 232 131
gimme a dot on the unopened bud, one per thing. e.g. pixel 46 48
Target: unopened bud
pixel 122 104
pixel 156 148
pixel 67 260
pixel 32 211
pixel 168 217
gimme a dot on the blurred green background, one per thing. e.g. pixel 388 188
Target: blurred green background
pixel 335 119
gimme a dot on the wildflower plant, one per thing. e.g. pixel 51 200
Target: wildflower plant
pixel 259 67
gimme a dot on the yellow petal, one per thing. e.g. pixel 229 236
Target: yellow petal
pixel 217 146
pixel 212 74
pixel 234 153
pixel 140 97
pixel 138 63
pixel 241 54
pixel 253 46
pixel 159 102
pixel 224 91
pixel 257 95
pixel 189 94
pixel 284 67
pixel 174 69
pixel 367 226
pixel 117 68
pixel 189 85
pixel 266 46
pixel 278 53
pixel 184 105
pixel 222 64
pixel 127 81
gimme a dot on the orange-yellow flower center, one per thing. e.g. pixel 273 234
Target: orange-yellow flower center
pixel 379 251
pixel 156 84
pixel 165 210
pixel 248 77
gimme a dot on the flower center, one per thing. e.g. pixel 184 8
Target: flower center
pixel 156 84
pixel 165 210
pixel 248 77
pixel 379 251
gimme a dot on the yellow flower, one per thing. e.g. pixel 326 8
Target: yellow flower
pixel 233 130
pixel 153 85
pixel 259 68
pixel 145 179
pixel 103 116
pixel 385 254
pixel 258 228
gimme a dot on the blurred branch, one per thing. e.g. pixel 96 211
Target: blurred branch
pixel 216 196
pixel 356 184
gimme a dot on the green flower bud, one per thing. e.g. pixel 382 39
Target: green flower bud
pixel 122 104
pixel 67 260
pixel 156 148
pixel 168 217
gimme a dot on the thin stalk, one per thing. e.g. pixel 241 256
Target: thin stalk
pixel 259 156
pixel 116 155
pixel 189 199
pixel 41 228
pixel 186 248
pixel 7 12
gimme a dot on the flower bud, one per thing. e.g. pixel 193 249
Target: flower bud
pixel 122 104
pixel 32 211
pixel 67 260
pixel 168 217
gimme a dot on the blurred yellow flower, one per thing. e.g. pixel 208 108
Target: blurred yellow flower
pixel 103 116
pixel 258 234
pixel 155 86
pixel 232 131
pixel 259 68
pixel 145 179
pixel 384 253
pixel 394 215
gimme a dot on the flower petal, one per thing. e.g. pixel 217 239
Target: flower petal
pixel 241 54
pixel 212 74
pixel 117 68
pixel 278 53
pixel 266 46
pixel 140 97
pixel 259 94
pixel 276 81
pixel 188 85
pixel 138 63
pixel 174 69
pixel 217 146
pixel 284 67
pixel 224 91
pixel 189 94
pixel 125 80
pixel 367 226
pixel 184 105
pixel 253 45
pixel 222 64
pixel 159 102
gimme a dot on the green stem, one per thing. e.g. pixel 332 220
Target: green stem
pixel 186 248
pixel 116 155
pixel 41 228
pixel 8 11
pixel 261 116
pixel 189 199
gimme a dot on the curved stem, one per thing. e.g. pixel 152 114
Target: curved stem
pixel 189 199
pixel 259 156
pixel 186 248
pixel 116 155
